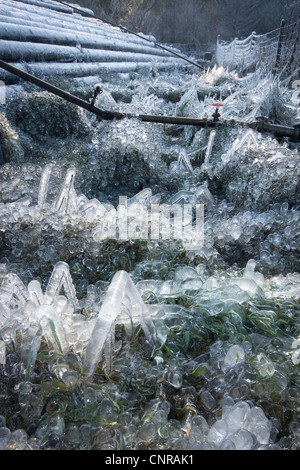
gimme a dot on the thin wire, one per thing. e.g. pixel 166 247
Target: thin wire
pixel 264 48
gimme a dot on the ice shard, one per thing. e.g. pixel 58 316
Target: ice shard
pixel 111 310
pixel 92 208
pixel 143 197
pixel 61 277
pixel 44 184
pixel 35 292
pixel 209 147
pixel 182 195
pixel 204 196
pixel 13 288
pixel 183 160
pixel 248 138
pixel 66 201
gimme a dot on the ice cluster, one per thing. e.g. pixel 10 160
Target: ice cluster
pixel 241 427
pixel 110 343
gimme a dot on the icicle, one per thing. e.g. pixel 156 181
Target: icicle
pixel 35 292
pixel 66 200
pixel 181 196
pixel 12 286
pixel 110 311
pixel 184 159
pixel 143 197
pixel 61 277
pixel 93 208
pixel 108 354
pixel 209 147
pixel 2 352
pixel 44 183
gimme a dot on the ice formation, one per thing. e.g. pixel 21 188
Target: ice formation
pixel 57 318
pixel 122 299
pixel 247 139
pixel 101 337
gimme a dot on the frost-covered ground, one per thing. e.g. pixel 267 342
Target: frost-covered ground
pixel 212 360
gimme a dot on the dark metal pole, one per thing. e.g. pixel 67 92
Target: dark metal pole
pixel 282 25
pixel 186 121
pixel 107 115
pixel 261 125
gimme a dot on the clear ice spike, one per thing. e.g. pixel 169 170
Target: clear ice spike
pixel 52 328
pixel 44 184
pixel 248 138
pixel 12 286
pixel 93 207
pixel 184 159
pixel 35 292
pixel 205 196
pixel 182 195
pixel 67 199
pixel 121 286
pixel 61 277
pixel 32 353
pixel 143 197
pixel 209 146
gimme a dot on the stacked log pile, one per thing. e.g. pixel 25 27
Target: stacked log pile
pixel 46 38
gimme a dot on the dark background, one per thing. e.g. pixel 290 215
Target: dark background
pixel 196 22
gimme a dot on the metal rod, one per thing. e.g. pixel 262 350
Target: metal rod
pixel 282 25
pixel 261 126
pixel 107 115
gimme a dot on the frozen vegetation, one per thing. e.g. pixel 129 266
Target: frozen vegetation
pixel 132 343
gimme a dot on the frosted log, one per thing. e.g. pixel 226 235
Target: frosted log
pixel 71 36
pixel 13 51
pixel 84 69
pixel 73 22
pixel 101 31
pixel 51 5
